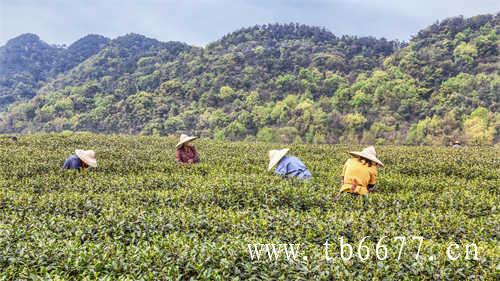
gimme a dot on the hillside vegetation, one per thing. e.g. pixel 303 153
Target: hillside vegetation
pixel 27 63
pixel 289 83
pixel 139 215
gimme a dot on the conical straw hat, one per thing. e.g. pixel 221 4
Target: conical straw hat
pixel 183 139
pixel 368 153
pixel 87 156
pixel 275 156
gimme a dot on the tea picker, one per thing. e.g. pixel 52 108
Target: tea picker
pixel 80 160
pixel 185 151
pixel 287 166
pixel 359 174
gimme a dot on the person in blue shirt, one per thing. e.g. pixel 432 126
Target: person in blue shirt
pixel 287 166
pixel 80 160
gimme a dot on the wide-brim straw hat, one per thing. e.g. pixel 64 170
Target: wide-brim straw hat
pixel 183 139
pixel 275 156
pixel 87 156
pixel 368 153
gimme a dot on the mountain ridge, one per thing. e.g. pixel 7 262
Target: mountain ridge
pixel 282 82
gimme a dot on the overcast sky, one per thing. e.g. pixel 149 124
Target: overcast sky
pixel 199 22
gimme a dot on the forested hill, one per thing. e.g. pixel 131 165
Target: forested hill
pixel 288 83
pixel 27 62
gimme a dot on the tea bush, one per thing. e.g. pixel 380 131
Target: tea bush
pixel 140 215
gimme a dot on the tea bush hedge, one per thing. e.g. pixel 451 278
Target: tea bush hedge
pixel 139 215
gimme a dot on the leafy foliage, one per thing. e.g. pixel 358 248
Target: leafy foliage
pixel 27 62
pixel 282 82
pixel 139 215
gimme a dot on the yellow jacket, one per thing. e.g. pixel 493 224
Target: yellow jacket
pixel 357 176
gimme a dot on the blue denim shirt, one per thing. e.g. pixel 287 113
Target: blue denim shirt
pixel 292 166
pixel 73 162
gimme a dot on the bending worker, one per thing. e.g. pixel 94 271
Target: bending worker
pixel 287 166
pixel 360 172
pixel 81 160
pixel 185 151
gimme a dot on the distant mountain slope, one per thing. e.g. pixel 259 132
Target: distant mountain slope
pixel 452 46
pixel 27 51
pixel 27 62
pixel 284 83
pixel 79 51
pixel 119 59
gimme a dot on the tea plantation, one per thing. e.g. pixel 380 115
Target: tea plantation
pixel 139 215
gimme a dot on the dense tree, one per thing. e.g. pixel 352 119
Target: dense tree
pixel 27 62
pixel 276 82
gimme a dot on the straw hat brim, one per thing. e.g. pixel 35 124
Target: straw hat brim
pixel 277 157
pixel 92 162
pixel 367 156
pixel 184 141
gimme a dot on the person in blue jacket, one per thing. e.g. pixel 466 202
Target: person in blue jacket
pixel 80 160
pixel 287 166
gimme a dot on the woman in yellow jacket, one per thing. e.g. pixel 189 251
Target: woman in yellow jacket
pixel 360 172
